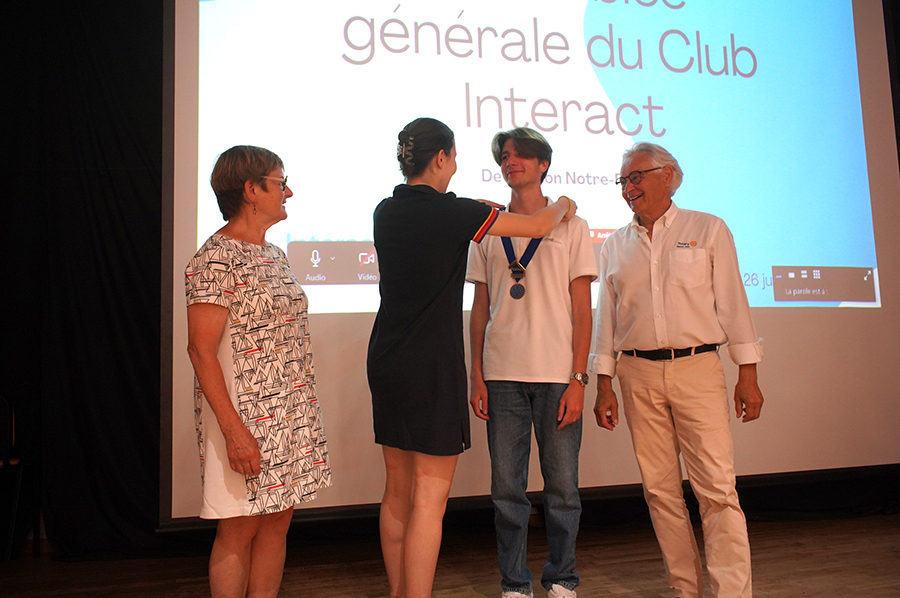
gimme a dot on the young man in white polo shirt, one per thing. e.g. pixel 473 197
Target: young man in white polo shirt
pixel 530 339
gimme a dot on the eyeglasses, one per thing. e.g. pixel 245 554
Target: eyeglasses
pixel 635 177
pixel 283 181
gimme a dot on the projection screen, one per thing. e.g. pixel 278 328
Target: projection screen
pixel 779 113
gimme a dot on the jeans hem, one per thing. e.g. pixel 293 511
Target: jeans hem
pixel 565 584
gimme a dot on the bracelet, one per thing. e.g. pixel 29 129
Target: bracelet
pixel 570 204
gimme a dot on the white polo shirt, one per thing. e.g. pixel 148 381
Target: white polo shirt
pixel 530 339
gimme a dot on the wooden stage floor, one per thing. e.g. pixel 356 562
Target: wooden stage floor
pixel 857 557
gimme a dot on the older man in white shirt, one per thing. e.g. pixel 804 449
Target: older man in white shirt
pixel 670 294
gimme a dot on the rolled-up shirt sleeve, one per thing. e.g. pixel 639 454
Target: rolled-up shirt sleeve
pixel 732 307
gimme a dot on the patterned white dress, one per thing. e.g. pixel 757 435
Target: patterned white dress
pixel 266 356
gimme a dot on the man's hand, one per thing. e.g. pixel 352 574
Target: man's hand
pixel 606 408
pixel 571 405
pixel 479 398
pixel 748 398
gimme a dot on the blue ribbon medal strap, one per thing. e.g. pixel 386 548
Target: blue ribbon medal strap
pixel 517 266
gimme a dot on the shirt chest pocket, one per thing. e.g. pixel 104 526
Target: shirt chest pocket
pixel 688 267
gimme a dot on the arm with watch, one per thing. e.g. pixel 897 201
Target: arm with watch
pixel 571 405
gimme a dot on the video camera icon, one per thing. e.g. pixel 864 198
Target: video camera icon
pixel 367 258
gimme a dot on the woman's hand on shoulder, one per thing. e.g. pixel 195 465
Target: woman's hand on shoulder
pixel 571 207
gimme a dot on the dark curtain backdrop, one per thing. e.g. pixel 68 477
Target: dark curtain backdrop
pixel 81 349
pixel 82 152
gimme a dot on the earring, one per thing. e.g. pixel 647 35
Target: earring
pixel 254 209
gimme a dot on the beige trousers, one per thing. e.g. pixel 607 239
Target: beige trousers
pixel 681 407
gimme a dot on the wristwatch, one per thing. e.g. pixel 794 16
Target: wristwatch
pixel 582 378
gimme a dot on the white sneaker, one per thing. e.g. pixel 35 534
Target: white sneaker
pixel 558 591
pixel 516 595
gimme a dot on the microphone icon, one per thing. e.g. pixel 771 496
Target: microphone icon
pixel 314 258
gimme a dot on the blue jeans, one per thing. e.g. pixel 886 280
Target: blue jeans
pixel 513 407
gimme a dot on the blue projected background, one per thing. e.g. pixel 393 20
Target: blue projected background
pixel 774 145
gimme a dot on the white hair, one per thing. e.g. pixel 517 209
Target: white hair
pixel 660 157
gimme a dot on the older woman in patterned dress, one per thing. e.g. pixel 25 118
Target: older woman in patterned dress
pixel 262 446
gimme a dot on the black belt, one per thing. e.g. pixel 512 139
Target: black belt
pixel 670 354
